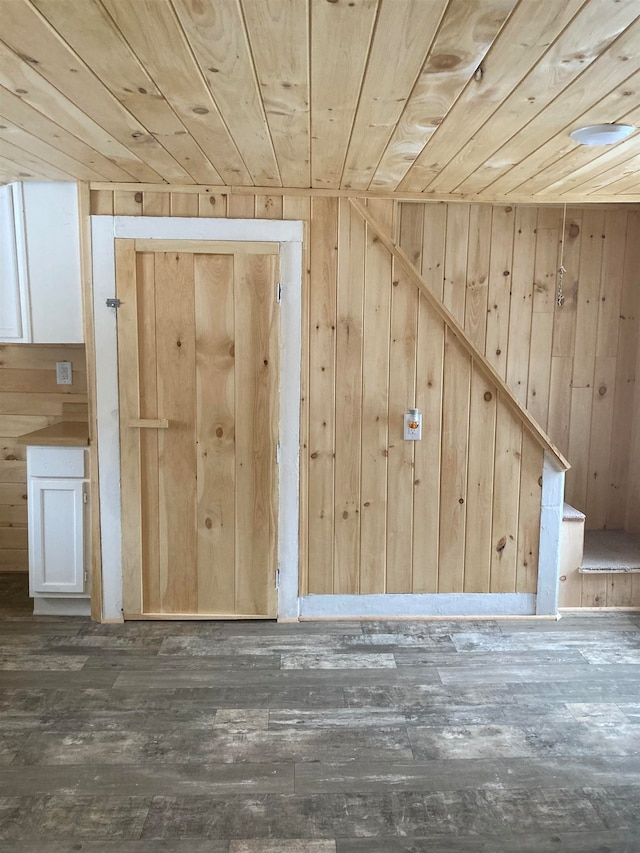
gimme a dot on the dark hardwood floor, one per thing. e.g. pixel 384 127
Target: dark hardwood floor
pixel 516 736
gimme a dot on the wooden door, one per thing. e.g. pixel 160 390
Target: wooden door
pixel 199 400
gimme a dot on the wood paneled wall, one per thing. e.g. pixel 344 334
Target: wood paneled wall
pixel 573 366
pixel 458 511
pixel 29 399
pixel 380 514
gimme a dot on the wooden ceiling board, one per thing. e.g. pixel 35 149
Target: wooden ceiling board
pixel 614 160
pixel 23 28
pixel 403 32
pixel 468 100
pixel 95 39
pixel 219 42
pixel 33 162
pixel 152 30
pixel 284 81
pixel 567 58
pixel 24 141
pixel 566 111
pixel 602 181
pixel 10 170
pixel 625 185
pixel 24 81
pixel 559 156
pixel 466 33
pixel 340 39
pixel 631 189
pixel 18 112
pixel 602 160
pixel 532 26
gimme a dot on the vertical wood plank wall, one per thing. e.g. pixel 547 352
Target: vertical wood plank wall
pixel 572 366
pixel 29 400
pixel 458 511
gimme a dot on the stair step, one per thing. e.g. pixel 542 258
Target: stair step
pixel 570 513
pixel 608 570
pixel 610 552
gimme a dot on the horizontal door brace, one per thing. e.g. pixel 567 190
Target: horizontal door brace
pixel 149 423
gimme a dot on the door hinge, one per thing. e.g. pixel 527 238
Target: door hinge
pixel 279 292
pixel 277 453
pixel 86 576
pixel 113 303
pixel 277 578
pixel 85 498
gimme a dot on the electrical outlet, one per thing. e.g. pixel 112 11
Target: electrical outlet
pixel 64 373
pixel 412 425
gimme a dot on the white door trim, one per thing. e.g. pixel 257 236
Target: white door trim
pixel 105 230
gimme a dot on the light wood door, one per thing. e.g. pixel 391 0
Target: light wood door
pixel 199 400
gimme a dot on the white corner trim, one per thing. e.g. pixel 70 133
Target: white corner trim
pixel 550 536
pixel 290 385
pixel 417 605
pixel 105 229
pixel 108 424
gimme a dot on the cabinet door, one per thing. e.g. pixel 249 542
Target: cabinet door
pixel 14 305
pixel 52 233
pixel 56 535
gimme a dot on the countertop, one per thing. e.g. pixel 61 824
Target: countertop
pixel 62 434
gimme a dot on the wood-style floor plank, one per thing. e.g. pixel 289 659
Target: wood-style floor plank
pixel 327 737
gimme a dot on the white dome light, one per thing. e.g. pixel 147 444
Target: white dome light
pixel 601 134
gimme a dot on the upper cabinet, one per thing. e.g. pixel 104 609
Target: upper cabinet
pixel 40 282
pixel 15 317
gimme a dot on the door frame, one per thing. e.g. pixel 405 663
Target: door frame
pixel 288 234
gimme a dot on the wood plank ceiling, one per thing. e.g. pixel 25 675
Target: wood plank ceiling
pixel 446 98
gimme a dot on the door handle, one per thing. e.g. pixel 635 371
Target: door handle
pixel 149 423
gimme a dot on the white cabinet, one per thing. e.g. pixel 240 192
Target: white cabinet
pixel 15 317
pixel 40 280
pixel 56 547
pixel 57 491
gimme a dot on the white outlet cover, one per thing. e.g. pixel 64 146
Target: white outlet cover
pixel 64 375
pixel 412 434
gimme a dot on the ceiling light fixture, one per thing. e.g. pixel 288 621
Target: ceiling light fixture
pixel 601 134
